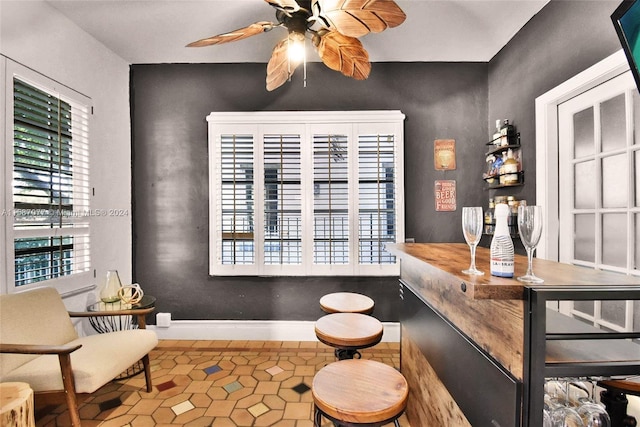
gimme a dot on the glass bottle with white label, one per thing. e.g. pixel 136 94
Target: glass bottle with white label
pixel 502 251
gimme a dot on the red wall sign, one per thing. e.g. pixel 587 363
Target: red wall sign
pixel 445 192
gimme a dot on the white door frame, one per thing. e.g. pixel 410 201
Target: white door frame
pixel 546 111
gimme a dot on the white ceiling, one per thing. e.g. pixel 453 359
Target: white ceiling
pixel 156 31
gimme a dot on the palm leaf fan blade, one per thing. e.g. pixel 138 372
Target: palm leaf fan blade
pixel 355 18
pixel 280 68
pixel 289 6
pixel 343 53
pixel 239 34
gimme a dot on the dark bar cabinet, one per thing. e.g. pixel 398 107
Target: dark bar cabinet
pixel 476 350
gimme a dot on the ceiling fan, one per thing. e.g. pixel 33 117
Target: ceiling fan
pixel 334 25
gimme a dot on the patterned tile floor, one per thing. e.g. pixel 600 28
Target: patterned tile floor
pixel 216 383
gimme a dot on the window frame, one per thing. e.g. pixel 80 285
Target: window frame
pixel 306 124
pixel 65 283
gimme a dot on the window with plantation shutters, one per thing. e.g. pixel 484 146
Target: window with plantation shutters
pixel 305 193
pixel 50 184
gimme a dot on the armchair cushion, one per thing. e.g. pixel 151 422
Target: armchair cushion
pixel 100 359
pixel 32 317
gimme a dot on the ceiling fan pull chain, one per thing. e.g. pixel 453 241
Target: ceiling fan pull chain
pixel 304 62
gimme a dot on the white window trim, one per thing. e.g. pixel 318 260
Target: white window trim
pixel 10 70
pixel 308 122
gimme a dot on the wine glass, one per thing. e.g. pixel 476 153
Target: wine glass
pixel 530 229
pixel 593 413
pixel 472 223
pixel 565 416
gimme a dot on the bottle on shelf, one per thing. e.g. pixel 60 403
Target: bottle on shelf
pixel 497 135
pixel 502 252
pixel 489 222
pixel 507 134
pixel 510 169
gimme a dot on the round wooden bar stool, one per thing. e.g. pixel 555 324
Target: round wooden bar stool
pixel 346 302
pixel 359 393
pixel 348 333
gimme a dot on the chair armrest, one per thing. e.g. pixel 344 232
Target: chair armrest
pixel 38 348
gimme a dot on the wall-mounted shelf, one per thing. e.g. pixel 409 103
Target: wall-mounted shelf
pixel 494 181
pixel 501 170
pixel 502 148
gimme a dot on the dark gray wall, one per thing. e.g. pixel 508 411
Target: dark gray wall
pixel 170 182
pixel 563 39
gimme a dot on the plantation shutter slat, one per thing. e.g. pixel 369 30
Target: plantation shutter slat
pixel 50 185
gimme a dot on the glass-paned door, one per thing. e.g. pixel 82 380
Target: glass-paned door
pixel 599 191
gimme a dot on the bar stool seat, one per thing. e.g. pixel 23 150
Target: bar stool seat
pixel 346 302
pixel 348 333
pixel 359 393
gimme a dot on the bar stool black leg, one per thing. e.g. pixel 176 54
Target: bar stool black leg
pixel 317 417
pixel 342 354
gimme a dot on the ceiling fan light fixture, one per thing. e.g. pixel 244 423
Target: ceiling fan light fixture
pixel 296 48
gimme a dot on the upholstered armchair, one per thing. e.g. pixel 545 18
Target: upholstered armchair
pixel 40 346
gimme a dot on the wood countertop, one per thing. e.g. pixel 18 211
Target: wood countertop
pixel 451 258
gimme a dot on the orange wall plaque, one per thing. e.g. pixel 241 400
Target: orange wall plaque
pixel 445 192
pixel 444 154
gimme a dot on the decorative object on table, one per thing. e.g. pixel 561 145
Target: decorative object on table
pixel 444 154
pixel 131 294
pixel 530 229
pixel 111 287
pixel 472 223
pixel 502 252
pixel 445 195
pixel 334 28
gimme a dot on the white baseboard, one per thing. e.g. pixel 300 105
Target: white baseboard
pixel 252 330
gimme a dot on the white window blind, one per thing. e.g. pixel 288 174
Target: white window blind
pixel 237 208
pixel 282 200
pixel 331 201
pixel 50 185
pixel 305 193
pixel 376 189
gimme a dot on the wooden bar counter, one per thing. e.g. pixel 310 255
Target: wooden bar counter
pixel 467 347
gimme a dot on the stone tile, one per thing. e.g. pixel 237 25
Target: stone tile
pixel 297 411
pixel 267 387
pixel 220 409
pixel 182 407
pixel 145 407
pixel 258 409
pixel 275 370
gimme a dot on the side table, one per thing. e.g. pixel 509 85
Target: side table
pixel 16 405
pixel 120 320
